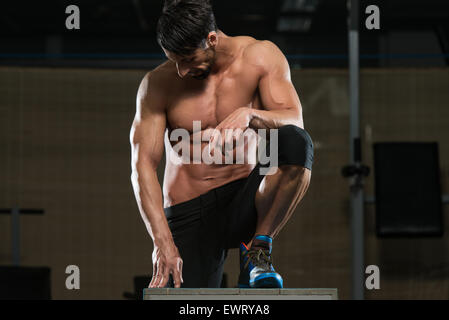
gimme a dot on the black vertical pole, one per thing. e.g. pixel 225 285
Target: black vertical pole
pixel 15 236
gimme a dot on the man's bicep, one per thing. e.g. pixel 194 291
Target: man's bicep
pixel 148 140
pixel 148 129
pixel 276 93
pixel 275 86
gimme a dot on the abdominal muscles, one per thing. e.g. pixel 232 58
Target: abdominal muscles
pixel 186 180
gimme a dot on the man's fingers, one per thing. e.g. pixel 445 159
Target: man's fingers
pixel 213 135
pixel 176 278
pixel 153 278
pixel 227 137
pixel 225 143
pixel 215 141
pixel 223 140
pixel 177 274
pixel 180 264
pixel 164 277
pixel 160 270
pixel 231 136
pixel 240 140
pixel 212 142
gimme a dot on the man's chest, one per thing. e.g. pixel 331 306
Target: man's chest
pixel 211 101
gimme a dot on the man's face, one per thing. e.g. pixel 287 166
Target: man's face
pixel 197 65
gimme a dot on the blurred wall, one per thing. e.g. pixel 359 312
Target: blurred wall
pixel 65 148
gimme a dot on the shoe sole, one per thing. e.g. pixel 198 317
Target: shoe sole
pixel 267 282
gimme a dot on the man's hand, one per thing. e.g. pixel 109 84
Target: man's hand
pixel 166 262
pixel 239 119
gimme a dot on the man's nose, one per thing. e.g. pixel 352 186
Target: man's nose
pixel 182 71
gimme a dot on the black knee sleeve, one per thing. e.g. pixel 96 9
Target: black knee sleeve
pixel 295 146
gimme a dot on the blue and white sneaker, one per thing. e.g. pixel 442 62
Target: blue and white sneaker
pixel 256 269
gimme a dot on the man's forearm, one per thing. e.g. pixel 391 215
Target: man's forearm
pixel 273 119
pixel 149 199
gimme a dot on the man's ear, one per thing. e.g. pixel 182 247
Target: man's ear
pixel 212 39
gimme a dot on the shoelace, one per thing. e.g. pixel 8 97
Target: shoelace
pixel 259 258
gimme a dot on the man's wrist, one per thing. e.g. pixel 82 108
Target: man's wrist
pixel 163 241
pixel 252 115
pixel 255 120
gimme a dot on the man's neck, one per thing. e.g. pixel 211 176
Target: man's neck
pixel 226 52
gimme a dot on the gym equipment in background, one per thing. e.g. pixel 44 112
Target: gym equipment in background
pixel 18 282
pixel 407 189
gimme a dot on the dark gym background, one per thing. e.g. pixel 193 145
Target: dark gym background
pixel 67 100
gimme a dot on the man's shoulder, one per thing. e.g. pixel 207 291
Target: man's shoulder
pixel 156 85
pixel 163 74
pixel 265 45
pixel 250 44
pixel 261 51
pixel 158 82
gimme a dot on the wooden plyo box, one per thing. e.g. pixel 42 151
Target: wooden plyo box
pixel 238 294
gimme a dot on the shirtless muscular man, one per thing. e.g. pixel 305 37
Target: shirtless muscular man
pixel 205 209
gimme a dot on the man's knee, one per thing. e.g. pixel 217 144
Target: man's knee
pixel 295 146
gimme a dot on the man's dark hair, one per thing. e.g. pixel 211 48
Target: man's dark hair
pixel 184 25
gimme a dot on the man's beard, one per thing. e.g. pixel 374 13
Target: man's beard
pixel 203 75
